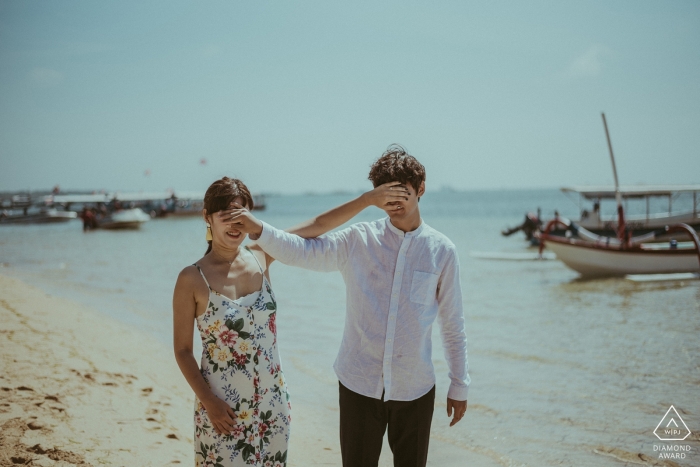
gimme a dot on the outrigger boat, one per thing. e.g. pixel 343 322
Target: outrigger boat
pixel 637 224
pixel 595 255
pixel 592 221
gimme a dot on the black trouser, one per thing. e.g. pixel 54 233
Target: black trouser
pixel 363 421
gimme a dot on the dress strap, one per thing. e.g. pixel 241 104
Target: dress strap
pixel 202 273
pixel 256 260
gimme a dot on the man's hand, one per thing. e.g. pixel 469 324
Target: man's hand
pixel 381 196
pixel 459 408
pixel 241 219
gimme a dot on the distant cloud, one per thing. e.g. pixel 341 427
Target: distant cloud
pixel 46 77
pixel 590 63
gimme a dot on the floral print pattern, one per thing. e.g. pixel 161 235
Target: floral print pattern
pixel 241 364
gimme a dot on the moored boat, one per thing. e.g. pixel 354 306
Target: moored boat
pixel 596 255
pixel 613 258
pixel 123 219
pixel 43 216
pixel 639 224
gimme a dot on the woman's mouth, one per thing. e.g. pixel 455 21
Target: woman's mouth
pixel 234 234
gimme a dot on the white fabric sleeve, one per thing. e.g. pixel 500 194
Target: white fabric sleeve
pixel 452 329
pixel 325 253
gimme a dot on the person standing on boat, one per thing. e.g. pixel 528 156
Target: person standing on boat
pixel 401 275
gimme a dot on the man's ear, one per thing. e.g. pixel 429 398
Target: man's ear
pixel 421 190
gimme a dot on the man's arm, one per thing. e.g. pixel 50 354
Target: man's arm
pixel 321 255
pixel 324 253
pixel 339 215
pixel 454 338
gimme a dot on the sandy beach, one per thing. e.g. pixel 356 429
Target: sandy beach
pixel 79 388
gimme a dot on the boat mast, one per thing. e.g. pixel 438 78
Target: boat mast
pixel 618 197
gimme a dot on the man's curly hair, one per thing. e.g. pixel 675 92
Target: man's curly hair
pixel 396 165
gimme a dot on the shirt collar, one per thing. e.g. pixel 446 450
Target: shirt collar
pixel 401 233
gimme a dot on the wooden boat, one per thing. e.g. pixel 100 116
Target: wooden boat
pixel 612 257
pixel 592 220
pixel 594 255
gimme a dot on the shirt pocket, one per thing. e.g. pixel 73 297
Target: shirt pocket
pixel 424 287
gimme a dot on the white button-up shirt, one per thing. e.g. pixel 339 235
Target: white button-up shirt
pixel 397 284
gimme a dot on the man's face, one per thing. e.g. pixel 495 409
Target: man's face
pixel 406 208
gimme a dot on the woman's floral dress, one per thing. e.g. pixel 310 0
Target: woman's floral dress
pixel 241 364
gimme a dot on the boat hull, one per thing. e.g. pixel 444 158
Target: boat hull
pixel 125 219
pixel 596 260
pixel 51 216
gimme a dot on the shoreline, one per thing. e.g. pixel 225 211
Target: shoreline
pixel 77 389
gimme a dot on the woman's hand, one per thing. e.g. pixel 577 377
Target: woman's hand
pixel 384 196
pixel 242 219
pixel 221 415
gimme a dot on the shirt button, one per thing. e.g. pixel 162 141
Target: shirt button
pixel 389 340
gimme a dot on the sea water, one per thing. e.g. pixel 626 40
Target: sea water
pixel 564 371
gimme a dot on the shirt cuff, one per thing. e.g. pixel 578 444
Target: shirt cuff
pixel 458 393
pixel 265 235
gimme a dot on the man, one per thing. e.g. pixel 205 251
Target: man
pixel 400 276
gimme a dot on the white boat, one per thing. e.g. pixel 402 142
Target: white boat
pixel 594 255
pixel 43 216
pixel 591 259
pixel 124 219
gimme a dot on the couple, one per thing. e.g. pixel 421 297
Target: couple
pixel 400 275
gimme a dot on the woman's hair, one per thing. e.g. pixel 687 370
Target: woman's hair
pixel 222 192
pixel 396 165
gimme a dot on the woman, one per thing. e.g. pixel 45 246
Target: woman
pixel 242 410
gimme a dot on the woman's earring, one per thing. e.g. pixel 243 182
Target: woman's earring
pixel 209 237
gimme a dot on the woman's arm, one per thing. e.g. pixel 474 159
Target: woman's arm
pixel 339 215
pixel 184 311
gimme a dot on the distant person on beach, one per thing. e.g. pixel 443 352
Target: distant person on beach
pixel 400 276
pixel 242 408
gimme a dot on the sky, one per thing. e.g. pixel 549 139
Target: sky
pixel 296 97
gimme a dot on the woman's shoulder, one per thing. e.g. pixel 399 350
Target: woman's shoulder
pixel 190 275
pixel 260 256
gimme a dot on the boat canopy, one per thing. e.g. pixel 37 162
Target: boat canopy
pixel 631 191
pixel 66 199
pixel 142 196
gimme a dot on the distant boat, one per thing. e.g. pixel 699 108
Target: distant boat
pixel 191 203
pixel 123 219
pixel 43 216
